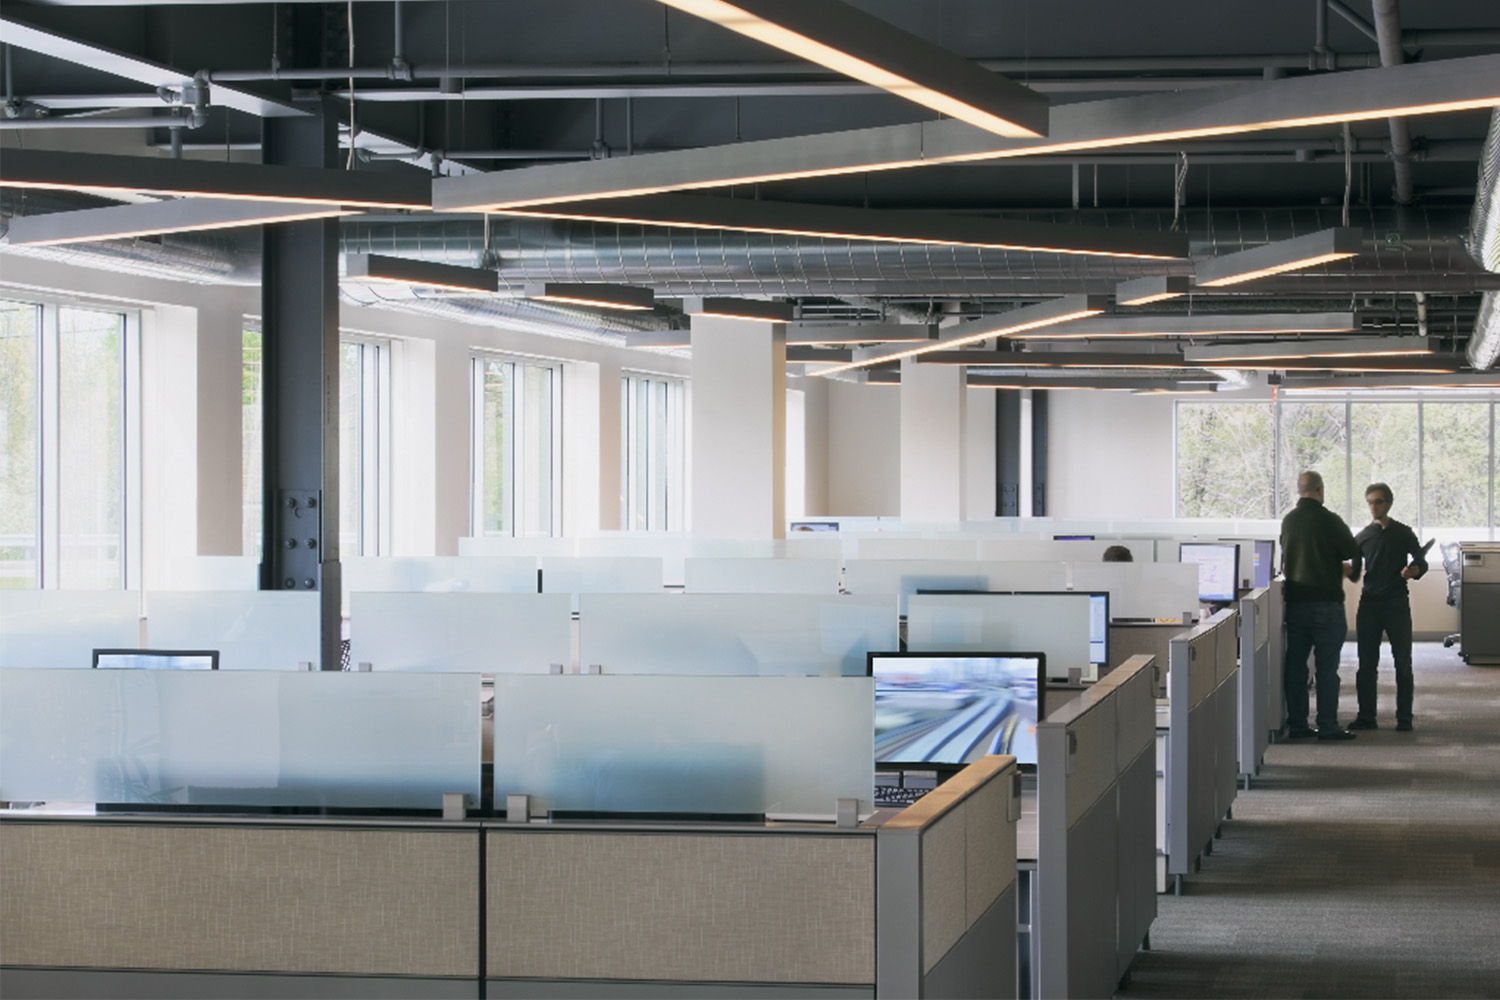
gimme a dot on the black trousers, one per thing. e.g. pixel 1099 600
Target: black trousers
pixel 1392 616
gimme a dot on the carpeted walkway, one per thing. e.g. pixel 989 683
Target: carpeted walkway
pixel 1362 869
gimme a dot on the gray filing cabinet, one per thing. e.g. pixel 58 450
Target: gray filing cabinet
pixel 1479 622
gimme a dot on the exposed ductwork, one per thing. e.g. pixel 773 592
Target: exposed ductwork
pixel 1484 247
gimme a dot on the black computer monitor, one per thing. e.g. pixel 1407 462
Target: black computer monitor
pixel 1072 538
pixel 156 659
pixel 953 708
pixel 1218 568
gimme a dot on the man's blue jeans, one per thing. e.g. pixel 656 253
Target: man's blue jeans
pixel 1318 627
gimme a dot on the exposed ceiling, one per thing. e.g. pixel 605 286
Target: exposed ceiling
pixel 455 88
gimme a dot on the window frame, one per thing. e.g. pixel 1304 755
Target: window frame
pixel 632 464
pixel 517 497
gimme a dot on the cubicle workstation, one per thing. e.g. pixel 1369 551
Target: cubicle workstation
pixel 1094 895
pixel 1201 759
pixel 1256 668
pixel 1069 627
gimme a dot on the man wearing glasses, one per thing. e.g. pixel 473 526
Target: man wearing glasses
pixel 1384 605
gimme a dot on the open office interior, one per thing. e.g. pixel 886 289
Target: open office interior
pixel 830 303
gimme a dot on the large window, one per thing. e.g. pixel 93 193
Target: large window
pixel 63 438
pixel 364 436
pixel 515 456
pixel 652 454
pixel 1437 455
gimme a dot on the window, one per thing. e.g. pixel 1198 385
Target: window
pixel 514 453
pixel 652 454
pixel 64 435
pixel 1437 455
pixel 364 435
pixel 1224 466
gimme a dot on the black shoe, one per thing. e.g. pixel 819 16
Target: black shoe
pixel 1403 726
pixel 1335 734
pixel 1364 724
pixel 1302 733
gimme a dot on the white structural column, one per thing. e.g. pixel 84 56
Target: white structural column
pixel 934 411
pixel 739 429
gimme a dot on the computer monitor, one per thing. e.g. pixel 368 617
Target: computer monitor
pixel 803 527
pixel 1218 568
pixel 156 659
pixel 1265 562
pixel 953 708
pixel 1072 538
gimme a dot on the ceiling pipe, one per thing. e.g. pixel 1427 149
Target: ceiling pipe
pixel 1388 32
pixel 1484 246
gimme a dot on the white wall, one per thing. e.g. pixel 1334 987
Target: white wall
pixel 864 449
pixel 815 444
pixel 979 467
pixel 1109 455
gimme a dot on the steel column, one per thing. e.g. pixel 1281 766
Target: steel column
pixel 300 330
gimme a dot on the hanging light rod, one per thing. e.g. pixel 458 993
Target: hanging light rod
pixel 876 225
pixel 407 271
pixel 603 296
pixel 105 173
pixel 849 41
pixel 982 381
pixel 1141 291
pixel 179 215
pixel 1066 309
pixel 1345 347
pixel 1295 254
pixel 759 310
pixel 1057 359
pixel 1411 89
pixel 1199 325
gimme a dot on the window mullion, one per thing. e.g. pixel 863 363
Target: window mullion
pixel 49 555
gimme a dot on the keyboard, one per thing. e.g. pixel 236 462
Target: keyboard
pixel 888 795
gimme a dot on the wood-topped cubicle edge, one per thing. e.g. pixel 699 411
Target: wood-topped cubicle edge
pixel 930 807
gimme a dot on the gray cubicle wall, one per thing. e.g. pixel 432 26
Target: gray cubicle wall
pixel 1197 758
pixel 1255 681
pixel 1276 639
pixel 1096 825
pixel 1227 713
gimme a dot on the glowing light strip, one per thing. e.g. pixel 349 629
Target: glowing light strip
pixel 1198 325
pixel 754 310
pixel 864 48
pixel 1063 310
pixel 1142 291
pixel 186 215
pixel 1294 254
pixel 599 295
pixel 1349 347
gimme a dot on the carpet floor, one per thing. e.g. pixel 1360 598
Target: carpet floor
pixel 1369 868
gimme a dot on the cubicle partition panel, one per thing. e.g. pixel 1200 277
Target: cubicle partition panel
pixel 252 630
pixel 475 574
pixel 946 888
pixel 135 907
pixel 1227 711
pixel 461 633
pixel 912 546
pixel 901 578
pixel 1128 639
pixel 1194 741
pixel 210 573
pixel 1096 822
pixel 1057 625
pixel 1254 681
pixel 60 629
pixel 600 575
pixel 1276 651
pixel 1143 591
pixel 733 634
pixel 763 576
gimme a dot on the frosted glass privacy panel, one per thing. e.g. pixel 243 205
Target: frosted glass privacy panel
pixel 1055 624
pixel 958 549
pixel 587 575
pixel 905 577
pixel 733 633
pixel 254 738
pixel 62 628
pixel 480 633
pixel 211 573
pixel 763 576
pixel 1143 590
pixel 492 545
pixel 254 630
pixel 1034 550
pixel 775 745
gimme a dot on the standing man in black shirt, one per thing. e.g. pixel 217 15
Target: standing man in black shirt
pixel 1314 544
pixel 1384 605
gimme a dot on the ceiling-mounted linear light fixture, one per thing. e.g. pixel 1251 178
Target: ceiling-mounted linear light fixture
pixel 179 215
pixel 688 211
pixel 1141 291
pixel 802 354
pixel 758 310
pixel 1057 359
pixel 1060 310
pixel 1200 325
pixel 406 271
pixel 849 41
pixel 1347 347
pixel 1438 380
pixel 1294 254
pixel 1319 99
pixel 858 333
pixel 103 173
pixel 1332 363
pixel 603 296
pixel 983 381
